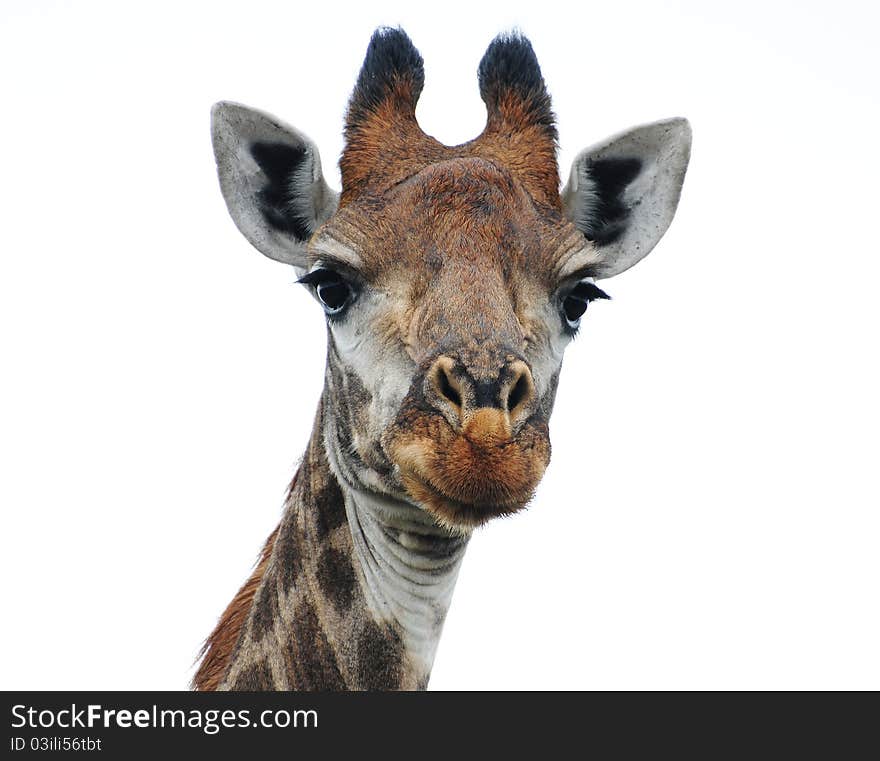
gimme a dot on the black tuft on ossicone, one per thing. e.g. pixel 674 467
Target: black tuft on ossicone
pixel 391 59
pixel 510 66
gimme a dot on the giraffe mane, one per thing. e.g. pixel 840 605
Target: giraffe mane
pixel 217 651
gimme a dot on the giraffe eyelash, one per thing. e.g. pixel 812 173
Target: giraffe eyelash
pixel 574 302
pixel 334 291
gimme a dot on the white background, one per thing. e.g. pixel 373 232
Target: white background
pixel 710 517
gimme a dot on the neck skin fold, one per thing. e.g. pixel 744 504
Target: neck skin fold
pixel 408 565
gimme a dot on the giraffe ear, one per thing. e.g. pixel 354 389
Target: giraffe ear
pixel 271 180
pixel 623 192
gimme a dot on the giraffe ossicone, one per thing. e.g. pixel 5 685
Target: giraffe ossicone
pixel 452 278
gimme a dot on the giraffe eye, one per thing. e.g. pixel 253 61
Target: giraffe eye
pixel 575 303
pixel 332 290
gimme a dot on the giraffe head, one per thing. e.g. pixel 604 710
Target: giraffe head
pixel 452 278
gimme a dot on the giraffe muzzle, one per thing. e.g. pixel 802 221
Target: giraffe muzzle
pixel 469 450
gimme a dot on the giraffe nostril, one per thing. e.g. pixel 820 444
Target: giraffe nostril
pixel 453 391
pixel 447 390
pixel 520 391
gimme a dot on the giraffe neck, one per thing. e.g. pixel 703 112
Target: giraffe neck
pixel 409 569
pixel 353 594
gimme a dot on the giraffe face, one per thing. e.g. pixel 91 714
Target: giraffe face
pixel 450 301
pixel 452 278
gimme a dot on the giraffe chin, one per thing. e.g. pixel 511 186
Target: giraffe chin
pixel 464 481
pixel 454 515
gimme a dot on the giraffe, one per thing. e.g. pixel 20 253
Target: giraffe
pixel 452 279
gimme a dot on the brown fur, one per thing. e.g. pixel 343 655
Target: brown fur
pixel 217 651
pixel 384 147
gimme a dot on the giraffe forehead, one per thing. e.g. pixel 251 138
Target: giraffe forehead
pixel 462 214
pixel 471 207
